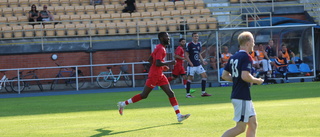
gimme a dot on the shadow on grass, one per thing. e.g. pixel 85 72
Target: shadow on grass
pixel 103 132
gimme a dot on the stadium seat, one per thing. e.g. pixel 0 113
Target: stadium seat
pixel 118 8
pixel 3 4
pixel 146 16
pixel 149 7
pixel 23 20
pixel 111 27
pixel 189 5
pixel 24 3
pixel 304 68
pixel 195 13
pixel 176 14
pixel 162 25
pixel 136 16
pixel 95 18
pixel 86 19
pixel 172 25
pixel 154 1
pixel 132 27
pixel 140 7
pixel 179 5
pixel 292 68
pixel 28 31
pixel 90 9
pixel 59 10
pixel 85 2
pixel 202 23
pixel 205 12
pixel 65 19
pixel 38 29
pixel 60 29
pixel 35 2
pixel 64 3
pixel 156 15
pixel 13 3
pixel 101 28
pixel 7 32
pixel 142 27
pixel 79 10
pixel 199 4
pixel 17 31
pixel 126 17
pixel 75 2
pixel 75 19
pixel 144 1
pixel 7 12
pixel 70 29
pixel 152 26
pixel 116 17
pixel 114 2
pixel 13 21
pixel 56 18
pixel 122 28
pixel 49 29
pixel 100 9
pixel 44 2
pixel 91 29
pixel 69 10
pixel 166 15
pixel 192 24
pixel 169 6
pixel 212 23
pixel 110 9
pixel 159 6
pixel 3 20
pixel 55 3
pixel 185 14
pixel 81 29
pixel 106 18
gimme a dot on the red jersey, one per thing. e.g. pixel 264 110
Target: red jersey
pixel 180 52
pixel 158 53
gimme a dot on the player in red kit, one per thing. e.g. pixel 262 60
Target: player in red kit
pixel 157 78
pixel 178 69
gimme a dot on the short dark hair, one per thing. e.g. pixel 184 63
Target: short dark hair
pixel 194 33
pixel 181 39
pixel 161 34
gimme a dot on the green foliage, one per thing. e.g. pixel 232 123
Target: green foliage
pixel 282 110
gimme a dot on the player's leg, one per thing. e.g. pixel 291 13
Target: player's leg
pixel 190 73
pixel 165 86
pixel 202 72
pixel 238 129
pixel 252 127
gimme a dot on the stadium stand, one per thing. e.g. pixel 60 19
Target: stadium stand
pixel 111 27
pixel 17 31
pixel 91 29
pixel 80 10
pixel 101 28
pixel 96 18
pixel 28 30
pixel 60 30
pixel 7 31
pixel 49 30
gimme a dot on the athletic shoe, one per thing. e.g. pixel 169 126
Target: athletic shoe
pixel 120 108
pixel 183 117
pixel 192 90
pixel 189 96
pixel 205 94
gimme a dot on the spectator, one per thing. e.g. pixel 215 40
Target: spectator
pixel 263 59
pixel 224 56
pixel 287 53
pixel 255 64
pixel 45 14
pixel 96 2
pixel 34 14
pixel 131 6
pixel 213 59
pixel 282 64
pixel 270 50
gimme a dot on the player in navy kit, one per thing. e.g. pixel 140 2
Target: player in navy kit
pixel 194 57
pixel 237 70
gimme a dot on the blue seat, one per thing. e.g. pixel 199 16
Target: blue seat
pixel 304 68
pixel 292 68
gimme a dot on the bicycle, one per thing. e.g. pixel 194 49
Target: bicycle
pixel 71 81
pixel 24 84
pixel 5 83
pixel 106 79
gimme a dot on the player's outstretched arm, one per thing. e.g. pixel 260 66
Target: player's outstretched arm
pixel 246 76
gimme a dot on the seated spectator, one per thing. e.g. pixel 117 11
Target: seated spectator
pixel 224 56
pixel 45 14
pixel 213 58
pixel 255 64
pixel 287 53
pixel 96 2
pixel 34 15
pixel 264 60
pixel 131 6
pixel 282 64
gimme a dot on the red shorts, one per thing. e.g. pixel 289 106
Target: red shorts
pixel 157 81
pixel 178 70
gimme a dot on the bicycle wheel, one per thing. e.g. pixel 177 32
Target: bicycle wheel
pixel 8 86
pixel 127 80
pixel 54 83
pixel 104 80
pixel 73 82
pixel 14 85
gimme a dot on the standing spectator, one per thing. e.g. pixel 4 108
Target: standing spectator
pixel 194 57
pixel 157 78
pixel 224 56
pixel 287 53
pixel 34 14
pixel 270 49
pixel 45 14
pixel 237 70
pixel 282 64
pixel 131 6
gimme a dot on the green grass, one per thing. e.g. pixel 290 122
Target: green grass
pixel 283 110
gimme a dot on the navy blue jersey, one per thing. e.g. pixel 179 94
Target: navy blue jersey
pixel 237 63
pixel 194 50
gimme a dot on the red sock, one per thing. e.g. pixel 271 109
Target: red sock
pixel 134 99
pixel 170 79
pixel 185 82
pixel 174 104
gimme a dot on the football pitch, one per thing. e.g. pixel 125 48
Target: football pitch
pixel 283 110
